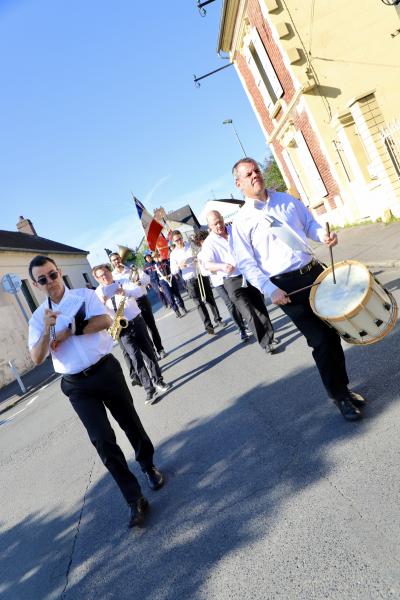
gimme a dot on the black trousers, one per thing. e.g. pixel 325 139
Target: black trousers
pixel 250 303
pixel 233 311
pixel 137 343
pixel 147 314
pixel 132 373
pixel 90 395
pixel 325 342
pixel 193 289
pixel 172 293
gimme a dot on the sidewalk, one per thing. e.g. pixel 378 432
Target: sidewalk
pixel 376 245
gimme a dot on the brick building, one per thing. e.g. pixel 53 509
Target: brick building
pixel 320 79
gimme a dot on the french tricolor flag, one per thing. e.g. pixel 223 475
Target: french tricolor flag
pixel 151 227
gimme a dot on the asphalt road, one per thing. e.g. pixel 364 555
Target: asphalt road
pixel 269 494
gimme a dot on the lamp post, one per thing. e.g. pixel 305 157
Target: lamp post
pixel 230 122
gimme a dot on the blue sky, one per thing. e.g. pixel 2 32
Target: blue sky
pixel 97 100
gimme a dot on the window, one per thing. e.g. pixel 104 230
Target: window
pixel 316 185
pixel 263 70
pixel 67 281
pixel 30 300
pixel 86 278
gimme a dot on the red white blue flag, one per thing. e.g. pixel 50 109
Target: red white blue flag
pixel 151 227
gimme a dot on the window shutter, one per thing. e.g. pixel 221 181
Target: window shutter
pixel 296 177
pixel 310 166
pixel 269 69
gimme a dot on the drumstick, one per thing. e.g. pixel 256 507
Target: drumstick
pixel 331 253
pixel 303 288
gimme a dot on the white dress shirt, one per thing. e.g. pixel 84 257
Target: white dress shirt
pixel 132 291
pixel 179 255
pixel 77 352
pixel 144 279
pixel 216 249
pixel 123 275
pixel 269 238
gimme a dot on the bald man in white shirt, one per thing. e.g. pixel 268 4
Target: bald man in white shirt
pixel 248 300
pixel 71 326
pixel 269 237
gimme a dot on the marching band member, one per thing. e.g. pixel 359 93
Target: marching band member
pixel 135 337
pixel 182 259
pixel 71 326
pixel 150 269
pixel 143 302
pixel 169 285
pixel 248 300
pixel 269 237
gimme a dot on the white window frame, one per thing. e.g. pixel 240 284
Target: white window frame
pixel 254 38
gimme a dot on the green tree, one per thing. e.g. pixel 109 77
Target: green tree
pixel 272 176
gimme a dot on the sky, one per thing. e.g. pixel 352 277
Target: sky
pixel 97 102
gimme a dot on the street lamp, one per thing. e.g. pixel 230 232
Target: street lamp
pixel 230 122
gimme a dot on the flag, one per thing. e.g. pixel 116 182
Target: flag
pixel 151 227
pixel 162 246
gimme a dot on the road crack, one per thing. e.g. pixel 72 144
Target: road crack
pixel 77 532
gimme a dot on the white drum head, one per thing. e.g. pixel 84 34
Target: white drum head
pixel 334 300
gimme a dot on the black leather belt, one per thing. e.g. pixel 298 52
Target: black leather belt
pixel 297 272
pixel 89 370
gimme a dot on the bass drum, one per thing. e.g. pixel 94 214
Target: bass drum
pixel 357 305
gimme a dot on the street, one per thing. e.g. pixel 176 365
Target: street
pixel 269 493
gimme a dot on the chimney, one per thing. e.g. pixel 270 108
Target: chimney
pixel 25 226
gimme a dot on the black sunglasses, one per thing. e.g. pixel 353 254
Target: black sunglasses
pixel 43 279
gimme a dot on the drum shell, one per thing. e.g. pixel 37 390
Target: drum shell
pixel 372 319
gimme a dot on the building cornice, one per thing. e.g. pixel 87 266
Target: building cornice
pixel 227 25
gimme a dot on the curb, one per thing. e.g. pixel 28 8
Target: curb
pixel 384 264
pixel 12 403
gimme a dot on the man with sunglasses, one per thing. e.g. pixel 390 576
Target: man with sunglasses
pixel 182 260
pixel 91 377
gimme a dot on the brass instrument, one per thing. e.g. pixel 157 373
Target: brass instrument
pixel 120 322
pixel 195 252
pixel 124 251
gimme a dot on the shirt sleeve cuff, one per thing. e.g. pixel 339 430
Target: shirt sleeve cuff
pixel 269 288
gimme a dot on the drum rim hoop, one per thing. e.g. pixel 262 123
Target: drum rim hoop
pixel 363 300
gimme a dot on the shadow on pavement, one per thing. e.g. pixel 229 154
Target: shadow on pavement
pixel 228 477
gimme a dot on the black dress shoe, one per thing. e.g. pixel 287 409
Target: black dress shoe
pixel 137 512
pixel 135 381
pixel 155 478
pixel 357 399
pixel 349 411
